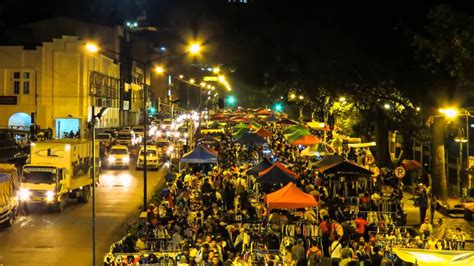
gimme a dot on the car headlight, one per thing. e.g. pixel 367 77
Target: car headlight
pixel 111 159
pixel 49 195
pixel 126 159
pixel 24 194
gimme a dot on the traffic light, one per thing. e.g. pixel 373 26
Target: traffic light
pixel 152 110
pixel 231 100
pixel 278 107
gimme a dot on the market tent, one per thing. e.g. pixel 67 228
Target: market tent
pixel 277 173
pixel 240 132
pixel 306 140
pixel 208 140
pixel 316 125
pixel 250 138
pixel 260 167
pixel 255 125
pixel 200 154
pixel 240 125
pixel 262 132
pixel 290 197
pixel 239 119
pixel 271 118
pixel 423 257
pixel 320 149
pixel 263 111
pixel 293 129
pixel 215 125
pixel 296 135
pixel 344 168
pixel 329 160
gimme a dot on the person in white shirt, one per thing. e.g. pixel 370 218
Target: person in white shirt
pixel 335 251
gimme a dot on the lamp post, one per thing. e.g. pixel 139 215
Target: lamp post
pixel 460 139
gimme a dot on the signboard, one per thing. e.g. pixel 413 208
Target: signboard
pixel 369 159
pixel 399 172
pixel 211 78
pixel 8 100
pixel 126 105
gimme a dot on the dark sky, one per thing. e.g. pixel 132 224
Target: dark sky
pixel 326 43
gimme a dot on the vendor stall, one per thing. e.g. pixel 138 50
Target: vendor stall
pixel 277 173
pixel 289 197
pixel 261 166
pixel 199 155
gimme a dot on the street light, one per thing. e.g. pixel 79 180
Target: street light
pixel 192 81
pixel 92 48
pixel 159 69
pixel 342 99
pixel 181 76
pixel 292 96
pixel 449 112
pixel 301 97
pixel 216 70
pixel 386 106
pixel 194 48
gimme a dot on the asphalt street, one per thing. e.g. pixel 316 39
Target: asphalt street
pixel 43 238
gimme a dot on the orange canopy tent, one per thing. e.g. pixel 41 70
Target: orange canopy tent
pixel 290 197
pixel 263 112
pixel 306 140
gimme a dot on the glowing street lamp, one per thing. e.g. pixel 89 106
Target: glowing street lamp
pixel 192 81
pixel 202 84
pixel 301 97
pixel 92 48
pixel 181 76
pixel 194 48
pixel 449 112
pixel 216 70
pixel 342 99
pixel 292 96
pixel 386 106
pixel 159 70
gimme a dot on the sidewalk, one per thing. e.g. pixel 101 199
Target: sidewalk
pixel 413 219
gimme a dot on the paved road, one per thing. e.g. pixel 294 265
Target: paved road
pixel 43 238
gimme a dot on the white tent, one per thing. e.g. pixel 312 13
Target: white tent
pixel 320 149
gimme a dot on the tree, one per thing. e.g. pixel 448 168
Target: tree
pixel 447 47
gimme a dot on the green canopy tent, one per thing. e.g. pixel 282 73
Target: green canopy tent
pixel 240 132
pixel 293 129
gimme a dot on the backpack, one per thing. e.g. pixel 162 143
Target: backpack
pixel 314 257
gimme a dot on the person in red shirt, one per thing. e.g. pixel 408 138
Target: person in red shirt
pixel 360 223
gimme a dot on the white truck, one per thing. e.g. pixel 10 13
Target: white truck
pixel 9 184
pixel 59 169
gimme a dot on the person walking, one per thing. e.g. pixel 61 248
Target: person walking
pixel 423 202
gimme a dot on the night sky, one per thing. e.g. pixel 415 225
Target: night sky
pixel 267 42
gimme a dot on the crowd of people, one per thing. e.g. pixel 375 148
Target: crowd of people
pixel 217 216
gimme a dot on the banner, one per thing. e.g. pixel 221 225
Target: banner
pixel 424 257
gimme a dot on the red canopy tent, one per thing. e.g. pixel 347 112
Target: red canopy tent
pixel 306 140
pixel 263 112
pixel 290 197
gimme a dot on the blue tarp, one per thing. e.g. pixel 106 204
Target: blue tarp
pixel 199 155
pixel 261 166
pixel 251 138
pixel 276 176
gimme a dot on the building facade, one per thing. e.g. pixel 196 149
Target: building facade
pixel 55 86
